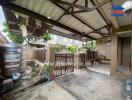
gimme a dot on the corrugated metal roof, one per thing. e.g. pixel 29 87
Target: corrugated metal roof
pixel 93 18
pixel 42 7
pixel 48 9
pixel 104 30
pixel 61 30
pixel 68 20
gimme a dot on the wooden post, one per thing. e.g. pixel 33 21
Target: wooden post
pixel 131 53
pixel 50 57
pixel 114 46
pixel 24 30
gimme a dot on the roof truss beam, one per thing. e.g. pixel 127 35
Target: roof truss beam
pixel 64 13
pixel 43 18
pixel 63 34
pixel 83 8
pixel 95 31
pixel 86 2
pixel 88 25
pixel 101 12
pixel 99 31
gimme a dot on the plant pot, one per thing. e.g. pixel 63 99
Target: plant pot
pixel 49 75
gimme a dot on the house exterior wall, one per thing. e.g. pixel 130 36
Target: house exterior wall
pixel 104 49
pixel 115 59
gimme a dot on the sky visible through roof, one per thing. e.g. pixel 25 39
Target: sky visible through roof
pixel 2 19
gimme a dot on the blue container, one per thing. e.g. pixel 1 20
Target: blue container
pixel 129 86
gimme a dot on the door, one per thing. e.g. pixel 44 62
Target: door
pixel 126 52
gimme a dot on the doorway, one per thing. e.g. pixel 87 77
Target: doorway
pixel 124 52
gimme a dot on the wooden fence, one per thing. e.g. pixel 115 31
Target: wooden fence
pixel 31 54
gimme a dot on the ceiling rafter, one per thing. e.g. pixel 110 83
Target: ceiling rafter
pixel 101 12
pixel 63 14
pixel 43 18
pixel 86 3
pixel 66 11
pixel 83 8
pixel 63 34
pixel 98 30
pixel 88 25
pixel 102 34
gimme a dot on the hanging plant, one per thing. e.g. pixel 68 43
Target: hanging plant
pixel 90 45
pixel 18 39
pixel 46 36
pixel 58 47
pixel 72 49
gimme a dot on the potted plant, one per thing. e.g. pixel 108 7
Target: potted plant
pixel 72 49
pixel 46 36
pixel 47 69
pixel 58 48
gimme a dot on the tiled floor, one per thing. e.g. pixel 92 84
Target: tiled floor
pixel 82 85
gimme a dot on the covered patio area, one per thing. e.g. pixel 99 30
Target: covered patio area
pixel 85 58
pixel 81 85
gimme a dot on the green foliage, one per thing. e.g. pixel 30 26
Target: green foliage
pixel 47 67
pixel 58 48
pixel 5 29
pixel 35 72
pixel 72 49
pixel 18 39
pixel 46 36
pixel 91 45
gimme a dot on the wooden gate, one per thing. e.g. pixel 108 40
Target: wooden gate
pixel 64 64
pixel 40 54
pixel 82 60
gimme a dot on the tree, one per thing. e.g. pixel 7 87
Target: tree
pixel 18 39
